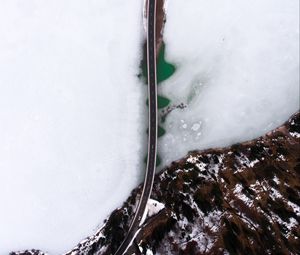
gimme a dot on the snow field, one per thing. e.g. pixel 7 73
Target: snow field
pixel 237 71
pixel 70 118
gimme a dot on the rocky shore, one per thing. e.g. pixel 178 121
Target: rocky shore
pixel 244 199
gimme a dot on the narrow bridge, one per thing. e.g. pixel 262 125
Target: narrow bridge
pixel 152 137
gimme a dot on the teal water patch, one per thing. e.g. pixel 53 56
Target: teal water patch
pixel 164 69
pixel 162 102
pixel 160 131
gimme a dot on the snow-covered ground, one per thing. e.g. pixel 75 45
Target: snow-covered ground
pixel 70 118
pixel 237 71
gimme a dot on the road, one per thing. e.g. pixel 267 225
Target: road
pixel 152 134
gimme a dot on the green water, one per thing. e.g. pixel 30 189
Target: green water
pixel 160 131
pixel 164 71
pixel 162 102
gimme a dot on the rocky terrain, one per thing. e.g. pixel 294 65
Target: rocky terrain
pixel 244 199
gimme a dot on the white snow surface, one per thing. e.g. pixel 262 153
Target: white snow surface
pixel 153 207
pixel 237 71
pixel 70 118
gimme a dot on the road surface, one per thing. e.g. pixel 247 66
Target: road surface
pixel 152 135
